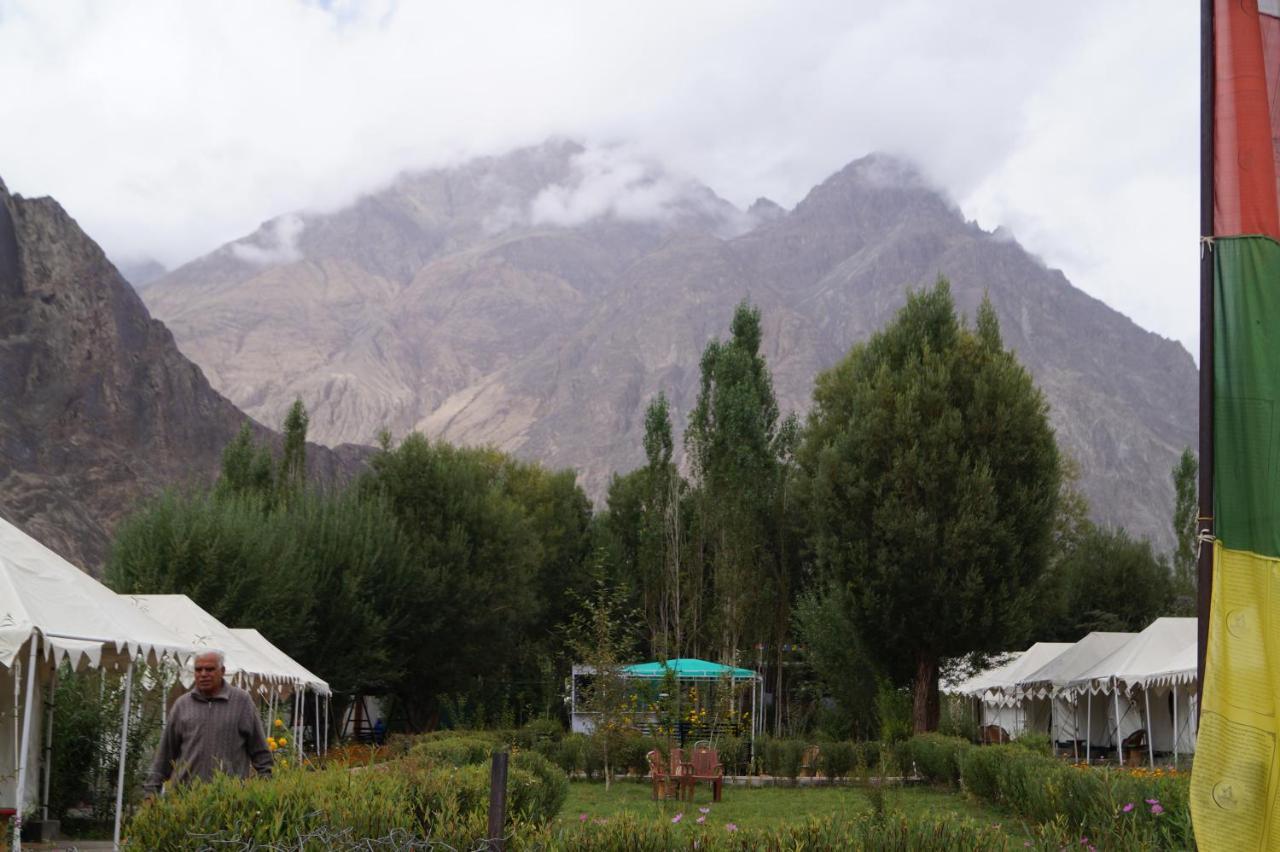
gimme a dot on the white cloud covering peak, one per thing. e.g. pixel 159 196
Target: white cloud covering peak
pixel 168 129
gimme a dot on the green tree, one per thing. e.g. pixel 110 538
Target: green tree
pixel 737 448
pixel 247 468
pixel 1110 581
pixel 601 635
pixel 1185 512
pixel 293 465
pixel 932 482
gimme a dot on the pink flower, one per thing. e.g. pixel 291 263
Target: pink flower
pixel 1156 809
pixel 1153 801
pixel 729 826
pixel 1026 843
pixel 582 817
pixel 700 820
pixel 1127 807
pixel 678 817
pixel 704 810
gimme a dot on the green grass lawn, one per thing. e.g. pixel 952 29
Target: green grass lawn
pixel 762 807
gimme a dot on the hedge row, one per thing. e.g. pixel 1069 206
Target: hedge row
pixel 438 794
pixel 1129 808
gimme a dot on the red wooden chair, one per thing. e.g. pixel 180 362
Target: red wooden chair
pixel 681 774
pixel 658 772
pixel 707 767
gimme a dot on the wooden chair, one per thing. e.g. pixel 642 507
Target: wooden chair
pixel 707 767
pixel 681 774
pixel 1135 748
pixel 994 735
pixel 658 772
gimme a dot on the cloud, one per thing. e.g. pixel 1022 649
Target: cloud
pixel 281 242
pixel 614 182
pixel 169 129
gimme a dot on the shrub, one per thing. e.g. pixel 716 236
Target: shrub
pixel 571 754
pixel 1038 743
pixel 539 732
pixel 409 799
pixel 735 754
pixel 791 757
pixel 836 759
pixel 891 831
pixel 456 750
pixel 1083 800
pixel 937 757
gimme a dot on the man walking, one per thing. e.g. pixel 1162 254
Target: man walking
pixel 213 728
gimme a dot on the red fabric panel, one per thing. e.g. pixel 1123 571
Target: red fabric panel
pixel 1244 157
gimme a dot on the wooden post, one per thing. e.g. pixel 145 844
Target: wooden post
pixel 498 801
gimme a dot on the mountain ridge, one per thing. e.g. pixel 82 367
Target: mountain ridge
pixel 547 336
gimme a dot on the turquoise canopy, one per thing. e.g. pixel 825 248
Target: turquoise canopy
pixel 686 669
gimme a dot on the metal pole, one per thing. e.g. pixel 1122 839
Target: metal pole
pixel 32 683
pixel 1204 523
pixel 1115 694
pixel 124 751
pixel 1075 728
pixel 1176 731
pixel 1088 725
pixel 315 705
pixel 1151 744
pixel 48 747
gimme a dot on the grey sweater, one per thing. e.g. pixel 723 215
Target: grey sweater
pixel 204 735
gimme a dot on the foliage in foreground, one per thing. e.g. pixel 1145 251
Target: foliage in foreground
pixel 1117 808
pixel 427 801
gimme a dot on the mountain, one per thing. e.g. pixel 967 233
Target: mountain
pixel 99 407
pixel 537 301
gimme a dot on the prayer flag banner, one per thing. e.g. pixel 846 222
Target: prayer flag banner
pixel 1235 782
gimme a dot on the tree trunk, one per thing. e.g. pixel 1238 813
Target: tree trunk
pixel 925 707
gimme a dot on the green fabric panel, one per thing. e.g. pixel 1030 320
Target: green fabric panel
pixel 685 668
pixel 1246 375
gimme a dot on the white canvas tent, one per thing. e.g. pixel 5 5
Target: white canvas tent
pixel 51 612
pixel 1149 666
pixel 1001 701
pixel 247 667
pixel 1046 683
pixel 300 680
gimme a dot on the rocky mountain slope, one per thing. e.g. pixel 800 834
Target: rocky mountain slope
pixel 98 408
pixel 537 301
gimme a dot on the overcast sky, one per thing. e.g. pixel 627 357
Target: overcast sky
pixel 170 128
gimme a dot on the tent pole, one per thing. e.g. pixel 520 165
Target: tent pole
pixel 24 744
pixel 1088 725
pixel 1176 731
pixel 1115 694
pixel 124 752
pixel 48 747
pixel 1075 727
pixel 1151 745
pixel 315 705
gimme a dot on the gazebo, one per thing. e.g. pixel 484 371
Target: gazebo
pixel 684 670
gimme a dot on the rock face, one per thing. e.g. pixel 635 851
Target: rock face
pixel 538 301
pixel 97 406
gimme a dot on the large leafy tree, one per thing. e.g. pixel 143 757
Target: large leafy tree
pixel 1185 510
pixel 932 481
pixel 736 445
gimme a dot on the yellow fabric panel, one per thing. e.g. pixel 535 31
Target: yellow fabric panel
pixel 1235 781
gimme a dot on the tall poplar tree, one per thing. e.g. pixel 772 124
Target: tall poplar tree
pixel 932 482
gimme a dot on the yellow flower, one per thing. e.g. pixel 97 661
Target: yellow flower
pixel 271 743
pixel 279 723
pixel 283 741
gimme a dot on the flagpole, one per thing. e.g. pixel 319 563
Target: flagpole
pixel 1204 521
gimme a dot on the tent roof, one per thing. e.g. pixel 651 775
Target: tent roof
pixel 1001 683
pixel 1146 660
pixel 298 673
pixel 686 669
pixel 78 618
pixel 188 619
pixel 977 683
pixel 1073 662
